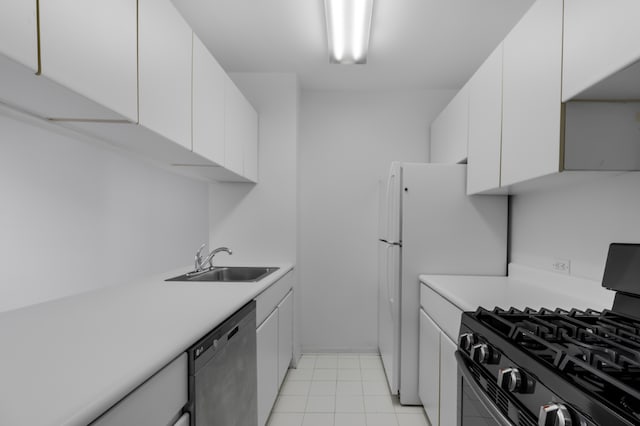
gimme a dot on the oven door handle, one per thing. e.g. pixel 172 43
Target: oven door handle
pixel 479 394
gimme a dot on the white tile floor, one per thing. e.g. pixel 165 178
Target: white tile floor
pixel 340 390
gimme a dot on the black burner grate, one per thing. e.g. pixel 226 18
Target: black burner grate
pixel 598 351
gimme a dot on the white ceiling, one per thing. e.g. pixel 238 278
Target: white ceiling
pixel 430 44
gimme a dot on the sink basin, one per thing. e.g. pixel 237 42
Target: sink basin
pixel 227 274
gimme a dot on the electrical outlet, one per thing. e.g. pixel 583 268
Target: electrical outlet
pixel 562 266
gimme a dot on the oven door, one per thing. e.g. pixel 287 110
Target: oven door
pixel 477 397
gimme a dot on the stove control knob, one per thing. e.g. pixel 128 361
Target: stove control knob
pixel 467 340
pixel 510 379
pixel 482 353
pixel 554 414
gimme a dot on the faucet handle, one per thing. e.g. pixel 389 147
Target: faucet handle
pixel 198 259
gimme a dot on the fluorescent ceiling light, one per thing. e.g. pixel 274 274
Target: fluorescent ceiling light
pixel 348 27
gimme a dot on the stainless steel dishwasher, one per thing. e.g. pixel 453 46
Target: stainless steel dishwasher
pixel 222 373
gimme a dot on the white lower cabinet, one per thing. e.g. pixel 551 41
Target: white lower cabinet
pixel 158 401
pixel 285 335
pixel 274 338
pixel 448 381
pixel 267 353
pixel 438 373
pixel 429 376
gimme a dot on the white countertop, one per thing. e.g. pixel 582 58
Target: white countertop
pixel 66 362
pixel 524 287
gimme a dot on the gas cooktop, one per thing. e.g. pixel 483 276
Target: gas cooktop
pixel 598 352
pixel 556 367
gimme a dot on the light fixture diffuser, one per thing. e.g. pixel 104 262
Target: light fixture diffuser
pixel 348 28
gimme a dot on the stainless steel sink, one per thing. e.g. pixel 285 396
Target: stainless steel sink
pixel 227 274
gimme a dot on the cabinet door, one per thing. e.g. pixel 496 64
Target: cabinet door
pixel 429 368
pixel 208 104
pixel 267 365
pixel 164 48
pixel 485 125
pixel 531 94
pixel 233 127
pixel 241 133
pixel 156 402
pixel 250 148
pixel 285 336
pixel 600 38
pixel 90 47
pixel 19 32
pixel 449 131
pixel 448 382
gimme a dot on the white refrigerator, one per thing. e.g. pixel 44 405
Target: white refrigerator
pixel 428 225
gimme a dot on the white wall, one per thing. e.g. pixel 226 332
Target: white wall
pixel 347 141
pixel 76 215
pixel 576 222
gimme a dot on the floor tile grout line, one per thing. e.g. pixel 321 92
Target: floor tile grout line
pixel 397 415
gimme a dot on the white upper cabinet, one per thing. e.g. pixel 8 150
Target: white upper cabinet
pixel 208 104
pixel 600 39
pixel 485 125
pixel 522 123
pixel 165 64
pixel 233 127
pixel 531 109
pixel 90 47
pixel 241 133
pixel 250 148
pixel 133 73
pixel 19 32
pixel 449 131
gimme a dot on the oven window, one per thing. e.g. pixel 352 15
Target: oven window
pixel 471 412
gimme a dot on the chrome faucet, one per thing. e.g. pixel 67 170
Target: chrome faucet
pixel 200 263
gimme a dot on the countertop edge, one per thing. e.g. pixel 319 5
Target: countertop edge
pixel 434 282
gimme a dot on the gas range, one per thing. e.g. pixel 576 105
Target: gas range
pixel 556 367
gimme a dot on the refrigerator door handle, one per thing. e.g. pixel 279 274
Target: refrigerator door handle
pixel 388 274
pixel 389 206
pixel 393 303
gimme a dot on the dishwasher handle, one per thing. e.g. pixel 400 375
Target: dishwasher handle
pixel 232 332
